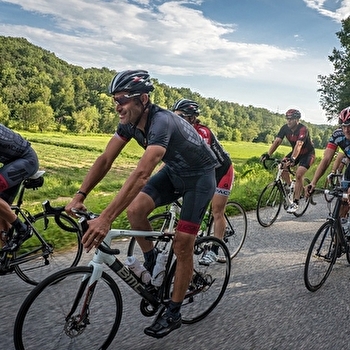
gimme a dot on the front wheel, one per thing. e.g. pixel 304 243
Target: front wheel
pixel 55 245
pixel 236 227
pixel 52 317
pixel 209 280
pixel 321 257
pixel 269 204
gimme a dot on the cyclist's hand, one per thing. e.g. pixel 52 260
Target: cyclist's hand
pixel 74 204
pixel 309 189
pixel 330 177
pixel 264 157
pixel 97 231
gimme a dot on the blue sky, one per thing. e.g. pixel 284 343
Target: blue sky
pixel 264 53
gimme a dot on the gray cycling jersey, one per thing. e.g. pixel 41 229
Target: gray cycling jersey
pixel 187 154
pixel 12 145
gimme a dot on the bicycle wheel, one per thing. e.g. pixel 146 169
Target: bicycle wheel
pixel 236 227
pixel 321 257
pixel 61 248
pixel 269 204
pixel 304 201
pixel 49 317
pixel 208 283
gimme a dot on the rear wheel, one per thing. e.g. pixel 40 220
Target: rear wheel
pixel 208 283
pixel 61 247
pixel 269 204
pixel 236 227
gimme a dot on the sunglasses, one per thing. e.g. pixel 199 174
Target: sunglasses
pixel 288 119
pixel 124 99
pixel 345 125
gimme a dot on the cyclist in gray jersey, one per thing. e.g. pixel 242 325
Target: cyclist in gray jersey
pixel 188 172
pixel 19 162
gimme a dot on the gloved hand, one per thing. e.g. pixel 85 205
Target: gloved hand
pixel 264 157
pixel 330 176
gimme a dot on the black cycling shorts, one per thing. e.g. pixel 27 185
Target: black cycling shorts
pixel 165 187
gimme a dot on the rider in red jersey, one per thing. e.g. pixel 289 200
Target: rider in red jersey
pixel 224 173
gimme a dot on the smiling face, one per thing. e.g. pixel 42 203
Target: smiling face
pixel 129 106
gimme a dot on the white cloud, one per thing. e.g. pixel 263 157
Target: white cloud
pixel 342 12
pixel 168 38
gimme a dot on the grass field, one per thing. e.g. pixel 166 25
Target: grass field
pixel 66 159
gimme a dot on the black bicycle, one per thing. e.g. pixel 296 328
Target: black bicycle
pixel 330 243
pixel 275 195
pixel 84 310
pixel 54 245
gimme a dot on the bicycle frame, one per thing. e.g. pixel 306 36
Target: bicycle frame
pixel 106 255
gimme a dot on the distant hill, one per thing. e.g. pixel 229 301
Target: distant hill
pixel 40 91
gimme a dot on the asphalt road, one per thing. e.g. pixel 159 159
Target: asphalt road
pixel 266 305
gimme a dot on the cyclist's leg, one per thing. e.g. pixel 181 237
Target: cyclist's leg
pixel 305 162
pixel 219 201
pixel 158 191
pixel 197 192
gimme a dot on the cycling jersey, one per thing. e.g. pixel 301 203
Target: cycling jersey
pixel 186 154
pixel 189 170
pixel 300 134
pixel 20 162
pixel 224 173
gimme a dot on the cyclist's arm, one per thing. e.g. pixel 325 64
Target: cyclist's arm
pixel 338 163
pixel 97 171
pixel 296 151
pixel 274 146
pixel 99 227
pixel 322 167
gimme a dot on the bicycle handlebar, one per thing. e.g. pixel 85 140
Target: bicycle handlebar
pixel 275 162
pixel 57 212
pixel 83 221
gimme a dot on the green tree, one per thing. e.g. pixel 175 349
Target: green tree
pixel 335 88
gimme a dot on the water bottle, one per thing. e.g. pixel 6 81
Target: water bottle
pixel 138 269
pixel 159 269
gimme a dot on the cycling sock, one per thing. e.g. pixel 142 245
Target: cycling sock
pixel 174 309
pixel 19 226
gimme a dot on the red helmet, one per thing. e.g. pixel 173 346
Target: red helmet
pixel 293 113
pixel 344 116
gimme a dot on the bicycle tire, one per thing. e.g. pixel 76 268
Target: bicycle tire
pixel 35 261
pixel 236 227
pixel 321 257
pixel 208 283
pixel 41 320
pixel 269 204
pixel 304 201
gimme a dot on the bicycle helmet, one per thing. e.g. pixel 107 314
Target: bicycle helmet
pixel 293 113
pixel 188 107
pixel 133 81
pixel 344 116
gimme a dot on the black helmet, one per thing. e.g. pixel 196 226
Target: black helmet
pixel 131 81
pixel 188 107
pixel 293 113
